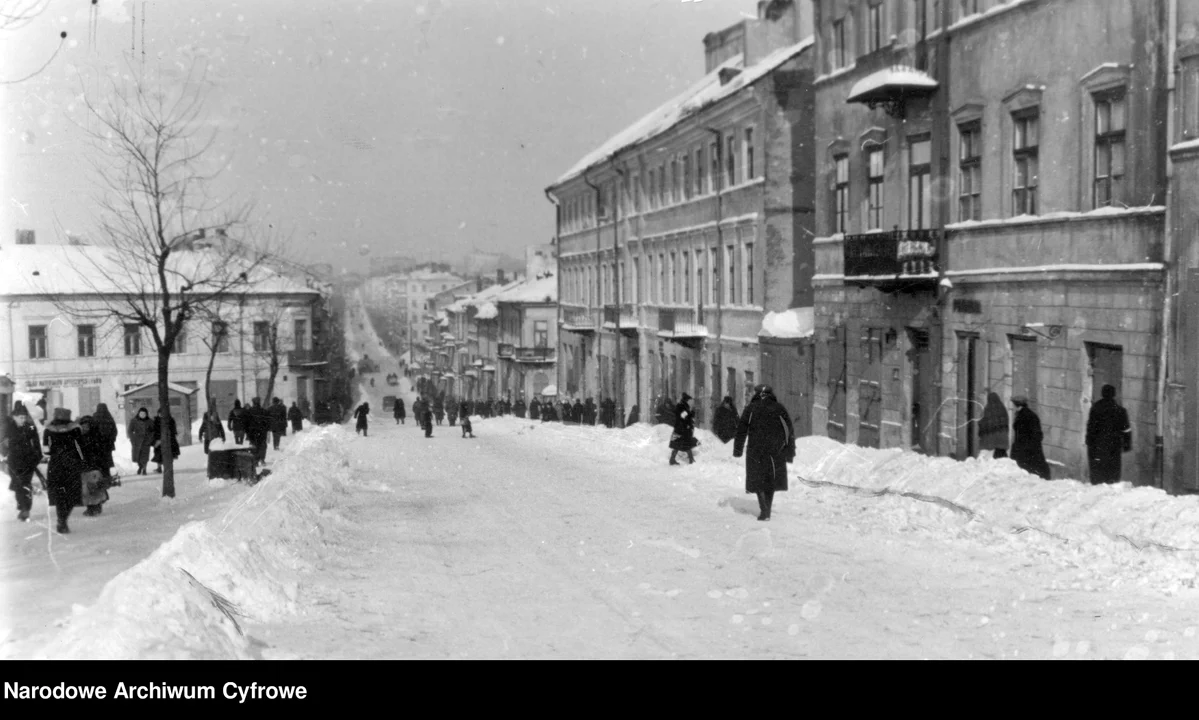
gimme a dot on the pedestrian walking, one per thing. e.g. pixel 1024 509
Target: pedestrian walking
pixel 94 483
pixel 141 438
pixel 211 428
pixel 258 428
pixel 1108 436
pixel 519 409
pixel 683 437
pixel 106 426
pixel 164 432
pixel 278 414
pixel 66 466
pixel 427 417
pixel 993 428
pixel 361 415
pixel 438 409
pixel 724 423
pixel 296 417
pixel 767 439
pixel 22 452
pixel 451 410
pixel 534 410
pixel 398 411
pixel 237 422
pixel 1026 440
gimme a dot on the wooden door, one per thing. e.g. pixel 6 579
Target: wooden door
pixel 836 385
pixel 924 408
pixel 870 394
pixel 972 396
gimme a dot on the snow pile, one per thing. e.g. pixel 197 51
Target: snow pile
pixel 793 323
pixel 188 598
pixel 487 311
pixel 1066 215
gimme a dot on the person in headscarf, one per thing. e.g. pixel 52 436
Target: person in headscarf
pixel 1108 435
pixel 993 429
pixel 1027 437
pixel 141 438
pixel 106 427
pixel 767 438
pixel 683 437
pixel 724 424
pixel 22 451
pixel 63 475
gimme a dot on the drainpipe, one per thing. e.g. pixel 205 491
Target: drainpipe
pixel 1169 266
pixel 558 272
pixel 940 140
pixel 619 420
pixel 718 286
pixel 598 275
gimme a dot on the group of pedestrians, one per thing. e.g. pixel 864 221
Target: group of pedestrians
pixel 1108 436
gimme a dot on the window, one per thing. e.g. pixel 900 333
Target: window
pixel 650 200
pixel 874 27
pixel 180 342
pixel 730 259
pixel 699 171
pixel 37 342
pixel 1024 156
pixel 841 195
pixel 673 277
pixel 750 171
pixel 874 204
pixel 687 184
pixel 838 56
pixel 262 334
pixel 1109 148
pixel 301 334
pixel 636 279
pixel 714 163
pixel 919 176
pixel 699 277
pixel 662 185
pixel 970 171
pixel 749 386
pixel 636 192
pixel 686 276
pixel 541 334
pixel 676 193
pixel 133 340
pixel 87 340
pixel 1188 98
pixel 731 160
pixel 748 282
pixel 712 263
pixel 661 278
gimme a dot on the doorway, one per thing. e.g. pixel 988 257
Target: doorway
pixel 971 364
pixel 870 393
pixel 924 408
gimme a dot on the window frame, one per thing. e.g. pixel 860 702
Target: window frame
pixel 841 194
pixel 970 166
pixel 90 337
pixel 1024 197
pixel 132 332
pixel 1107 140
pixel 730 161
pixel 39 342
pixel 875 27
pixel 919 185
pixel 747 143
pixel 875 187
pixel 838 41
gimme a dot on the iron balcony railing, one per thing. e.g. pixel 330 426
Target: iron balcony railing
pixel 623 314
pixel 505 350
pixel 898 253
pixel 534 354
pixel 577 316
pixel 681 322
pixel 300 358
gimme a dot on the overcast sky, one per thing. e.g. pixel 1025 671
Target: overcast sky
pixel 362 129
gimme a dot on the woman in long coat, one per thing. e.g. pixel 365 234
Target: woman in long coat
pixel 683 437
pixel 1026 445
pixel 724 423
pixel 398 411
pixel 993 430
pixel 767 428
pixel 141 438
pixel 95 453
pixel 63 481
pixel 535 409
pixel 1108 435
pixel 106 426
pixel 519 408
pixel 158 433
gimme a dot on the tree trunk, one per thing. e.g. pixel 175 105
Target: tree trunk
pixel 164 403
pixel 270 383
pixel 208 376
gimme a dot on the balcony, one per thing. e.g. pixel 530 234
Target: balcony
pixel 304 358
pixel 623 316
pixel 577 319
pixel 534 354
pixel 682 326
pixel 505 350
pixel 900 259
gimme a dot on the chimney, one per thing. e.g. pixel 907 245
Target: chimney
pixel 25 237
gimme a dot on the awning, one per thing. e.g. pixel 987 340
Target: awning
pixel 891 84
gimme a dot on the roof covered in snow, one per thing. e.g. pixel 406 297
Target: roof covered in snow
pixel 485 295
pixel 895 78
pixel 487 311
pixel 96 269
pixel 540 290
pixel 793 323
pixel 703 93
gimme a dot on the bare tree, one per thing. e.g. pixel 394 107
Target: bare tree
pixel 170 252
pixel 16 14
pixel 269 344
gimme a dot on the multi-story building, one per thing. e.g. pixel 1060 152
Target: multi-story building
pixel 992 217
pixel 64 343
pixel 679 233
pixel 528 326
pixel 469 345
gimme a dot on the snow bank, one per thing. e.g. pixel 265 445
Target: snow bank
pixel 188 599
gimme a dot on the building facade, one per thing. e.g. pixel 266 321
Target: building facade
pixel 677 235
pixel 992 217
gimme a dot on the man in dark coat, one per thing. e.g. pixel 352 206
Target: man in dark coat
pixel 361 414
pixel 22 452
pixel 590 412
pixel 296 416
pixel 63 481
pixel 427 417
pixel 106 426
pixel 278 420
pixel 519 408
pixel 237 422
pixel 724 424
pixel 398 411
pixel 683 437
pixel 534 410
pixel 578 412
pixel 1027 437
pixel 258 426
pixel 608 413
pixel 1108 435
pixel 438 409
pixel 211 429
pixel 451 410
pixel 767 427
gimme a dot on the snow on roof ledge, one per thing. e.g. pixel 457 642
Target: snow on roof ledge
pixel 793 323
